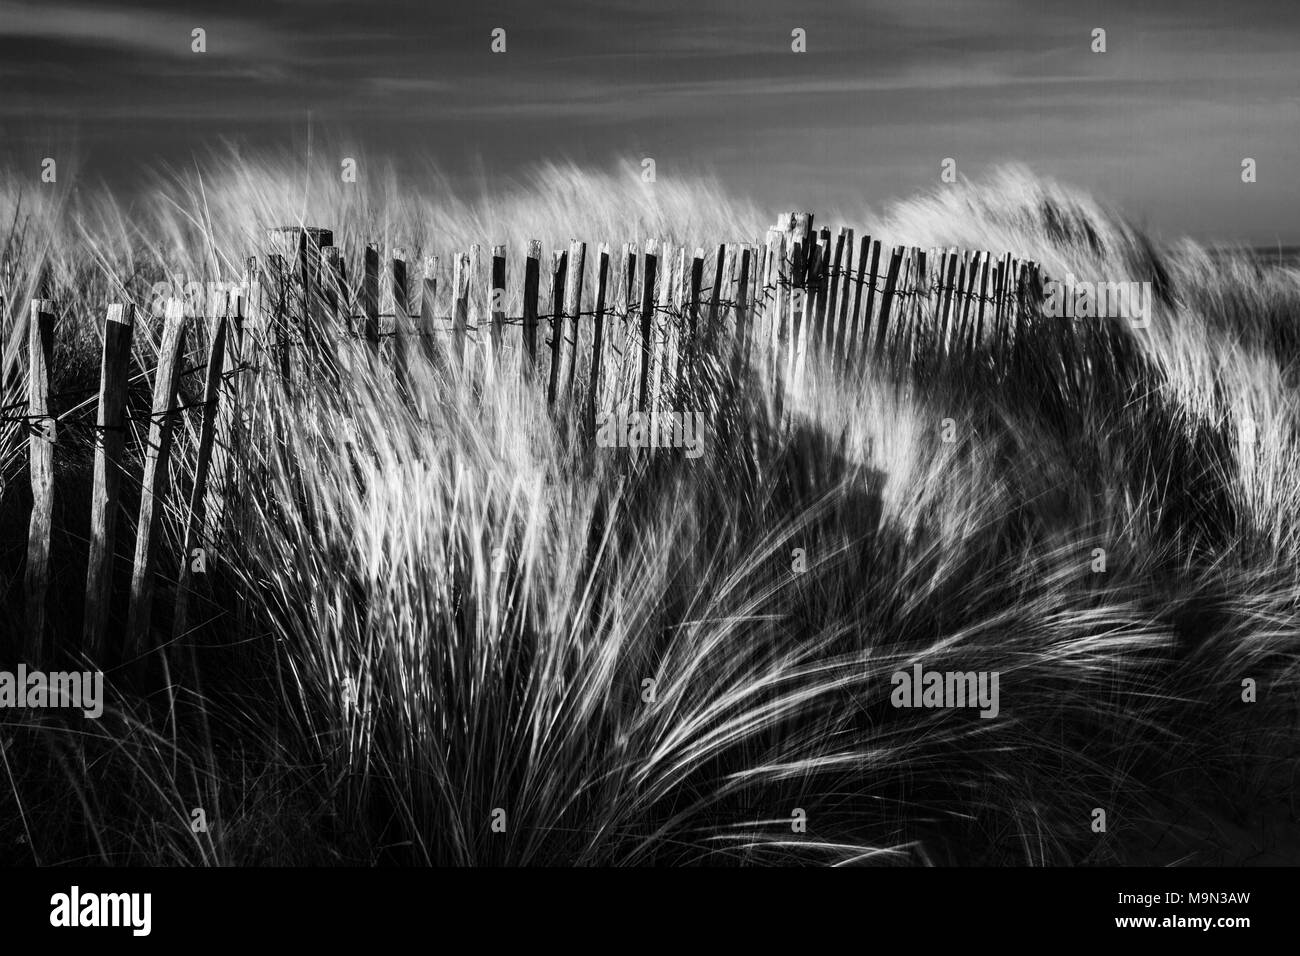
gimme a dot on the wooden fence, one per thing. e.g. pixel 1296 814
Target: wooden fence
pixel 774 304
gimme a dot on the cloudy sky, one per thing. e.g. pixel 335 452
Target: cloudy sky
pixel 1158 124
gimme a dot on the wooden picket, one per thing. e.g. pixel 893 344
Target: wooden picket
pixel 154 486
pixel 194 521
pixel 40 443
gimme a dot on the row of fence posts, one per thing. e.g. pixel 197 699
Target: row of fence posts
pixel 796 293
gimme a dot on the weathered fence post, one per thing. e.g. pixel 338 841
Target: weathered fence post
pixel 460 310
pixel 868 309
pixel 110 436
pixel 428 304
pixel 740 347
pixel 983 300
pixel 573 307
pixel 692 331
pixel 831 283
pixel 194 522
pixel 279 271
pixel 948 278
pixel 776 348
pixel 331 274
pixel 811 305
pixel 532 279
pixel 476 316
pixel 401 319
pixel 40 443
pixel 887 300
pixel 154 485
pixel 659 333
pixel 559 266
pixel 219 487
pixel 841 321
pixel 498 300
pixel 598 334
pixel 647 316
pixel 370 298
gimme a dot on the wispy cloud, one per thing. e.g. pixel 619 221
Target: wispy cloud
pixel 139 30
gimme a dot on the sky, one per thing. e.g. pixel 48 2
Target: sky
pixel 1158 124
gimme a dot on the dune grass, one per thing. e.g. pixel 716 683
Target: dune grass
pixel 437 600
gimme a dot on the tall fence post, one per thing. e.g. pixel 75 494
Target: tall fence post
pixel 659 333
pixel 476 316
pixel 154 485
pixel 978 340
pixel 559 266
pixel 370 298
pixel 194 520
pixel 532 279
pixel 219 488
pixel 830 284
pixel 776 347
pixel 110 435
pixel 852 348
pixel 598 334
pixel 40 443
pixel 460 310
pixel 573 306
pixel 692 333
pixel 843 246
pixel 401 319
pixel 887 300
pixel 647 315
pixel 428 304
pixel 741 346
pixel 498 301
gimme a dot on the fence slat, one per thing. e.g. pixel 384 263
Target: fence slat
pixel 281 281
pixel 841 278
pixel 776 347
pixel 970 271
pixel 742 308
pixel 154 485
pixel 983 297
pixel 559 266
pixel 808 312
pixel 693 316
pixel 831 326
pixel 573 308
pixel 40 443
pixel 370 297
pixel 887 300
pixel 110 437
pixel 207 431
pixel 532 271
pixel 477 311
pixel 948 278
pixel 428 305
pixel 219 487
pixel 498 300
pixel 619 333
pixel 598 334
pixel 400 339
pixel 660 329
pixel 460 310
pixel 647 314
pixel 851 347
